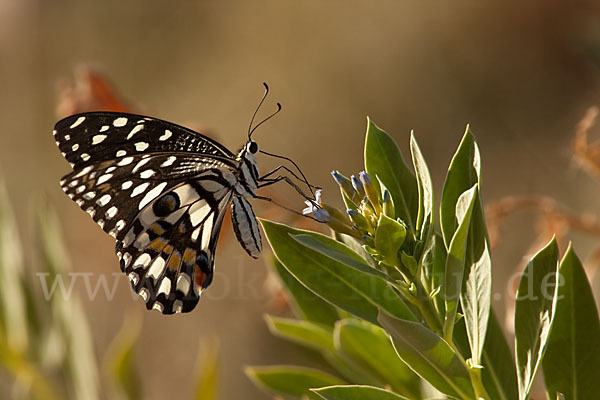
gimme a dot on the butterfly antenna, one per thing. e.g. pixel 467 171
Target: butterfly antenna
pixel 250 130
pixel 265 120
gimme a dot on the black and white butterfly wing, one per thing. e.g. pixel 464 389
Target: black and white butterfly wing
pixel 91 137
pixel 163 205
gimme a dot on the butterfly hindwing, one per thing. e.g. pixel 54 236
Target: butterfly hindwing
pixel 168 252
pixel 99 136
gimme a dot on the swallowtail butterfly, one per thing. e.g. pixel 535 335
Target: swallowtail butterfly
pixel 161 190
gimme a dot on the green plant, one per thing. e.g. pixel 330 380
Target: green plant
pixel 402 310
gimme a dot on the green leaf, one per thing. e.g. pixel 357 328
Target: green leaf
pixel 206 380
pixel 368 345
pixel 308 305
pixel 356 392
pixel 572 361
pixel 291 380
pixel 476 294
pixel 343 286
pixel 434 266
pixel 455 261
pixel 389 236
pixel 534 313
pixel 347 257
pixel 429 356
pixel 121 359
pixel 305 333
pixel 425 215
pixel 357 247
pixel 499 374
pixel 463 173
pixel 384 160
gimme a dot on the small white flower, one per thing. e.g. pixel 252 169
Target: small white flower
pixel 320 214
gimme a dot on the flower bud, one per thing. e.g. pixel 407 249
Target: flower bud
pixel 358 186
pixel 370 191
pixel 360 221
pixel 345 186
pixel 388 205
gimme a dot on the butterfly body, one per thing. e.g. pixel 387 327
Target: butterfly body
pixel 161 190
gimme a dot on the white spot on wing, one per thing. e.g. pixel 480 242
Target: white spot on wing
pixel 167 135
pixel 104 128
pixel 140 189
pixel 196 233
pixel 206 233
pixel 139 165
pixel 177 306
pixel 126 185
pixel 121 121
pixel 183 283
pixel 199 211
pixel 169 161
pixel 111 212
pixel 121 153
pixel 89 195
pixel 85 156
pixel 102 201
pixel 135 130
pixel 75 147
pixel 125 161
pixel 147 174
pixel 143 260
pixel 77 123
pixel 104 178
pixel 151 195
pixel 157 268
pixel 134 278
pixel 141 146
pixel 67 137
pixel 165 286
pixel 120 225
pixel 144 294
pixel 127 259
pixel 98 139
pixel 83 171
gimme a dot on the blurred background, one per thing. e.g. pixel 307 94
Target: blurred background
pixel 521 73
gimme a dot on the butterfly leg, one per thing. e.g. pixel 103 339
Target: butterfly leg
pixel 271 181
pixel 270 200
pixel 271 173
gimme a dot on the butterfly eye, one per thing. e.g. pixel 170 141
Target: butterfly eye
pixel 253 147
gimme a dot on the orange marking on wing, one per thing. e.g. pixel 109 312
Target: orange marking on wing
pixel 157 244
pixel 199 276
pixel 174 260
pixel 189 256
pixel 156 229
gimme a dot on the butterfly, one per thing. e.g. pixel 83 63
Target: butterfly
pixel 162 190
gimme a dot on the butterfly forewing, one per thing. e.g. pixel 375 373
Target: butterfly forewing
pixel 163 201
pixel 99 136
